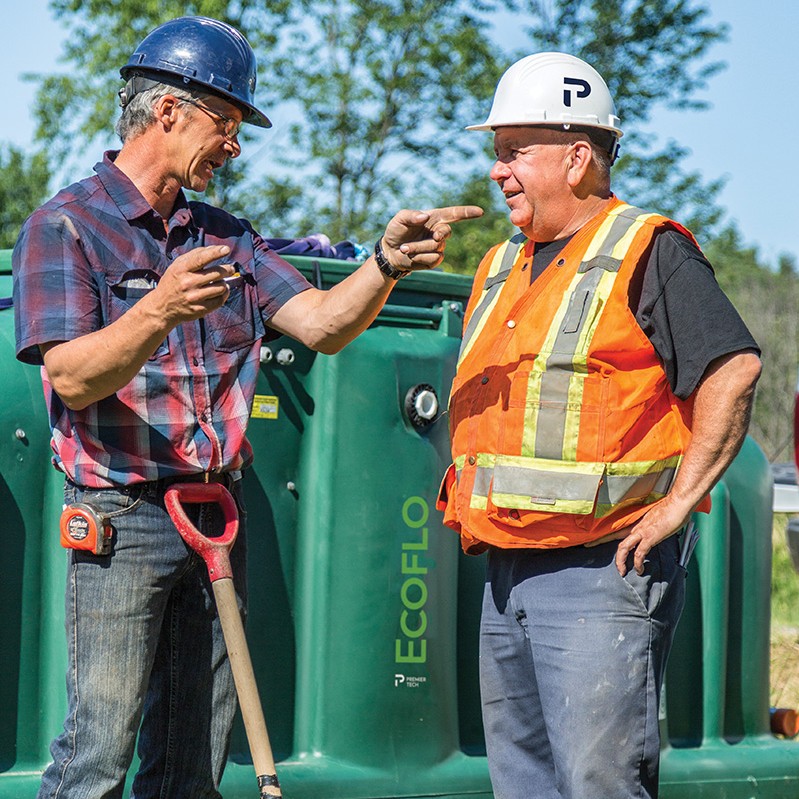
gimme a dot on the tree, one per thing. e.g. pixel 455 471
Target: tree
pixel 767 300
pixel 76 110
pixel 366 117
pixel 378 89
pixel 379 93
pixel 471 240
pixel 651 53
pixel 23 187
pixel 375 88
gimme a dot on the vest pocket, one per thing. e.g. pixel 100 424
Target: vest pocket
pixel 521 485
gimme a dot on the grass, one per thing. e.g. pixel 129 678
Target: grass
pixel 784 690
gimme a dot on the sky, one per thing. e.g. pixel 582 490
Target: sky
pixel 747 135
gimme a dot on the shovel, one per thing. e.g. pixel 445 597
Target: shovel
pixel 215 553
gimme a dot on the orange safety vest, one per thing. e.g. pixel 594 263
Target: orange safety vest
pixel 563 425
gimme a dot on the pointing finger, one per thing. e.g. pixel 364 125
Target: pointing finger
pixel 411 219
pixel 454 213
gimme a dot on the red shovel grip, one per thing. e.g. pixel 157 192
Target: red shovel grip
pixel 214 551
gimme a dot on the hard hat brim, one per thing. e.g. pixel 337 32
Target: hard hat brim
pixel 250 113
pixel 550 123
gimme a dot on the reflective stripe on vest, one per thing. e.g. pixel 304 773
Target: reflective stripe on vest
pixel 558 371
pixel 547 475
pixel 500 268
pixel 578 487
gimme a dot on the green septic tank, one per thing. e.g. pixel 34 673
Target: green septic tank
pixel 363 612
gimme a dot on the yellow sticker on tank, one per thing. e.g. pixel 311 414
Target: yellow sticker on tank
pixel 264 407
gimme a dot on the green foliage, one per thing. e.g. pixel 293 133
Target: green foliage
pixel 379 88
pixel 651 53
pixel 648 51
pixel 784 578
pixel 23 187
pixel 377 92
pixel 767 301
pixel 656 182
pixel 78 109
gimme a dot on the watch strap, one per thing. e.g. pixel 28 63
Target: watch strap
pixel 384 266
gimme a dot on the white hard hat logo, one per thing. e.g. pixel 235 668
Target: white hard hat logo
pixel 583 91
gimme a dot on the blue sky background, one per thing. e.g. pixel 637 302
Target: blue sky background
pixel 749 134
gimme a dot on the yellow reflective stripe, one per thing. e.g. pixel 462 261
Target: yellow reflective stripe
pixel 598 302
pixel 575 487
pixel 636 483
pixel 486 305
pixel 575 506
pixel 459 462
pixel 546 485
pixel 628 468
pixel 602 233
pixel 548 346
pixel 604 509
pixel 482 479
pixel 531 406
pixel 571 425
pixel 478 328
pixel 551 431
pixel 620 250
pixel 574 399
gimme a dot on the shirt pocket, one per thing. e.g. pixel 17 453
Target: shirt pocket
pixel 125 291
pixel 237 324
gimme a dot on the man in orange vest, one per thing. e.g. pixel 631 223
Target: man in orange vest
pixel 604 384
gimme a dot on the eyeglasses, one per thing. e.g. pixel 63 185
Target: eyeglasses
pixel 231 126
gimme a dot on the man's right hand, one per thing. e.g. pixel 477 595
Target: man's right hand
pixel 192 285
pixel 91 367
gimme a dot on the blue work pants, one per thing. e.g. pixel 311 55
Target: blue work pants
pixel 572 657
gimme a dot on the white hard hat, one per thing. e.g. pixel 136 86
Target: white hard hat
pixel 552 89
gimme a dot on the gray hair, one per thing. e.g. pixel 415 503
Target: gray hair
pixel 599 153
pixel 602 160
pixel 137 114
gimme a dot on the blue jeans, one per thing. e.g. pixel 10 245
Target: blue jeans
pixel 572 657
pixel 146 655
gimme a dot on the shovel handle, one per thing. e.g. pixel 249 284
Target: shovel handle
pixel 214 551
pixel 252 713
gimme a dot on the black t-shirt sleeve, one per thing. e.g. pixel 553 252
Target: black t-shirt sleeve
pixel 684 312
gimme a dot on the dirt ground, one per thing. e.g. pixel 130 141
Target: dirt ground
pixel 785 667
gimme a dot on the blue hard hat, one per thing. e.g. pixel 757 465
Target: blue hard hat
pixel 198 51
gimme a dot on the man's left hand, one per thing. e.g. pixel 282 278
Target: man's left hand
pixel 657 525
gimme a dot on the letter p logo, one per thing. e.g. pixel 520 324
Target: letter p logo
pixel 583 91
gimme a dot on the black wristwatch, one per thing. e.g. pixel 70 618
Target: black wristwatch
pixel 384 266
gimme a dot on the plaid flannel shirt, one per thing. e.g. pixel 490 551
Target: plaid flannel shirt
pixel 81 261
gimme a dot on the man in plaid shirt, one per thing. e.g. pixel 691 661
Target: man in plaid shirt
pixel 147 313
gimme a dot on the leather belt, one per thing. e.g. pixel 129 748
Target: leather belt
pixel 226 478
